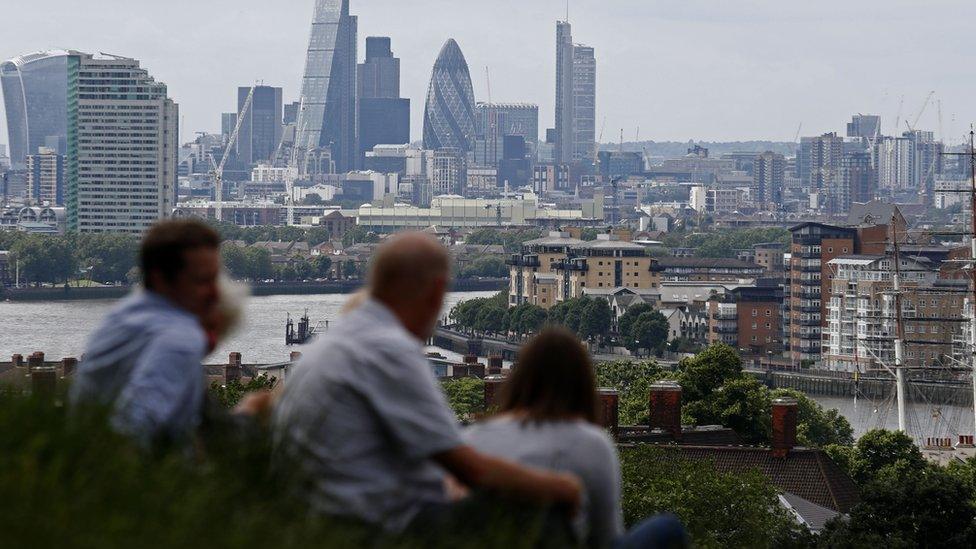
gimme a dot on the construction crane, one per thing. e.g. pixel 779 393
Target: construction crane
pixel 596 146
pixel 218 169
pixel 796 138
pixel 911 127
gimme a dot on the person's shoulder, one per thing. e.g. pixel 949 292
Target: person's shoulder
pixel 179 333
pixel 593 437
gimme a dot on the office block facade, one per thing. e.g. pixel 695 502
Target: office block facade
pixel 261 126
pixel 449 117
pixel 35 93
pixel 45 177
pixel 384 117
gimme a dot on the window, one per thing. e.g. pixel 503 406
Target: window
pixel 755 312
pixel 769 312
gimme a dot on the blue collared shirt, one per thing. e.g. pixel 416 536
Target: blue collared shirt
pixel 144 361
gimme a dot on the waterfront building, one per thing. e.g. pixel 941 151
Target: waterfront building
pixel 35 93
pixel 748 318
pixel 45 177
pixel 813 246
pixel 261 127
pixel 705 269
pixel 860 329
pixel 604 264
pixel 384 117
pixel 451 211
pixel 122 147
pixel 449 117
pixel 532 277
pixel 327 119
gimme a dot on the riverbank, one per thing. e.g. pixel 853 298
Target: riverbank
pixel 70 293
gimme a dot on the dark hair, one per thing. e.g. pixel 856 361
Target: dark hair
pixel 554 379
pixel 164 245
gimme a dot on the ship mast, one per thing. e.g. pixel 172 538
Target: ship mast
pixel 972 265
pixel 900 387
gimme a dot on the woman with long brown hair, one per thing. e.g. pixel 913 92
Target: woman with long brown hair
pixel 547 418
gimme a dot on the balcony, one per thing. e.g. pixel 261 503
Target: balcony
pixel 725 329
pixel 523 261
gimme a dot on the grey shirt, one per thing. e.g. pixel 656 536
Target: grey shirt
pixel 363 414
pixel 145 362
pixel 576 447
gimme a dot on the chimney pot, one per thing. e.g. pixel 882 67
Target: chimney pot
pixel 665 408
pixel 36 360
pixel 232 370
pixel 295 356
pixel 784 426
pixel 235 359
pixel 493 385
pixel 609 409
pixel 494 362
pixel 17 360
pixel 476 369
pixel 470 359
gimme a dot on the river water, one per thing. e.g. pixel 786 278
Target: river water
pixel 61 328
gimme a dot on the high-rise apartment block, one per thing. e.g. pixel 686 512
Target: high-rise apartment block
pixel 45 177
pixel 495 121
pixel 327 119
pixel 768 177
pixel 575 98
pixel 445 170
pixel 384 117
pixel 261 126
pixel 865 126
pixel 123 146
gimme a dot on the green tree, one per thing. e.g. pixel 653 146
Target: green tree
pixel 108 256
pixel 878 450
pixel 526 319
pixel 488 266
pixel 312 199
pixel 350 269
pixel 490 319
pixel 632 380
pixel 359 235
pixel 569 313
pixel 649 331
pixel 230 395
pixel 708 370
pixel 259 265
pixel 321 266
pixel 589 234
pixel 718 509
pixel 815 426
pixel 466 396
pixel 741 404
pixel 626 321
pixel 317 235
pixel 235 260
pixel 45 259
pixel 595 320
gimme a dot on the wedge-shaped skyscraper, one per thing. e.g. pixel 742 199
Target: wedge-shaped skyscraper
pixel 449 117
pixel 328 117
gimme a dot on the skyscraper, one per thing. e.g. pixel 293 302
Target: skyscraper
pixel 328 117
pixel 564 93
pixel 497 120
pixel 384 117
pixel 123 145
pixel 449 120
pixel 584 104
pixel 35 88
pixel 768 177
pixel 261 127
pixel 867 126
pixel 575 98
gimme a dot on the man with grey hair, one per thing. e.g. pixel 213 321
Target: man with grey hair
pixel 365 418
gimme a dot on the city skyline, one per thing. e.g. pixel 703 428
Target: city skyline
pixel 769 81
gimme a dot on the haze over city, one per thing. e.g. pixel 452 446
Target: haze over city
pixel 678 70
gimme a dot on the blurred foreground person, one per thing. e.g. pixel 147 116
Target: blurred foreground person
pixel 363 414
pixel 548 418
pixel 144 361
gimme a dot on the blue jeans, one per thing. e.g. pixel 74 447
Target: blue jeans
pixel 658 532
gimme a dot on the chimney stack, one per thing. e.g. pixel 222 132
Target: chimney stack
pixel 665 408
pixel 470 359
pixel 609 411
pixel 295 356
pixel 232 371
pixel 494 365
pixel 784 426
pixel 36 360
pixel 493 385
pixel 68 366
pixel 17 360
pixel 965 441
pixel 44 381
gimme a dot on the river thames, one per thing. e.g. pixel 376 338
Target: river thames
pixel 61 328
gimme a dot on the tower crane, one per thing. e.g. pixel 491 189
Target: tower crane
pixel 218 169
pixel 911 127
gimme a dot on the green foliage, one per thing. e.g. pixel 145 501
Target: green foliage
pixel 595 319
pixel 708 370
pixel 229 395
pixel 742 404
pixel 46 259
pixel 359 235
pixel 816 426
pixel 632 380
pixel 512 240
pixel 589 234
pixel 725 243
pixel 526 319
pixel 247 263
pixel 626 321
pixel 649 331
pixel 68 481
pixel 488 266
pixel 108 256
pixel 466 397
pixel 718 509
pixel 878 450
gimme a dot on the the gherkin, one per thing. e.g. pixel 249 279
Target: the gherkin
pixel 449 117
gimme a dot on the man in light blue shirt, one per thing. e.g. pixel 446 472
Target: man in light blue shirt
pixel 365 419
pixel 144 361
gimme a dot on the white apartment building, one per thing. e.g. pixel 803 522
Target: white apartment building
pixel 123 146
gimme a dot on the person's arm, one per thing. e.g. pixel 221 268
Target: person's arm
pixel 164 396
pixel 478 470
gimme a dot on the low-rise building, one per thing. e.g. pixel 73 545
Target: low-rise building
pixel 706 269
pixel 748 318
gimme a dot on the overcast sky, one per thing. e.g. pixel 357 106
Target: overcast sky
pixel 678 69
